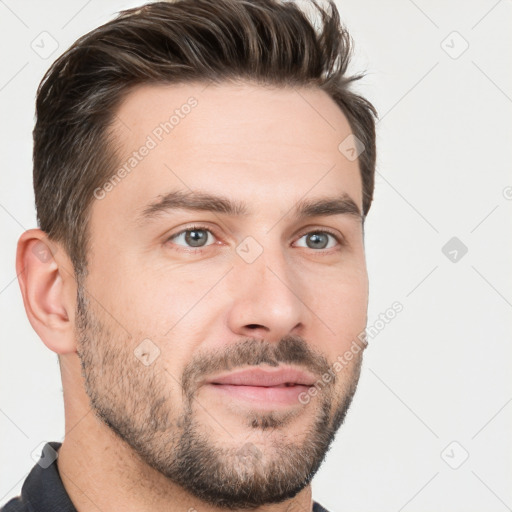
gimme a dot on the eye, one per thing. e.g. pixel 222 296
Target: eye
pixel 198 237
pixel 320 240
pixel 193 237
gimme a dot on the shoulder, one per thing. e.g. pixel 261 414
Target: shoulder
pixel 318 508
pixel 42 490
pixel 15 505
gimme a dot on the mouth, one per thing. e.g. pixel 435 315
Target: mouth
pixel 264 388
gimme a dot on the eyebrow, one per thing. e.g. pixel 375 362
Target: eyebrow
pixel 198 201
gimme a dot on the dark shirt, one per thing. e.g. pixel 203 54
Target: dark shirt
pixel 43 491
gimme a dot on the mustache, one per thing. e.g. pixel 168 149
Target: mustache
pixel 253 352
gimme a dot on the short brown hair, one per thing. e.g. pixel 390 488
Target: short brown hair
pixel 267 41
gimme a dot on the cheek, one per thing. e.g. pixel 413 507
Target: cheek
pixel 343 306
pixel 169 309
pixel 145 299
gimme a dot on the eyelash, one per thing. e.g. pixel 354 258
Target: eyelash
pixel 195 250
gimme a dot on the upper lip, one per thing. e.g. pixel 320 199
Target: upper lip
pixel 267 378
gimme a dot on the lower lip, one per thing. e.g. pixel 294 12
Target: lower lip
pixel 264 395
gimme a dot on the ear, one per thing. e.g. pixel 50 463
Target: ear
pixel 48 287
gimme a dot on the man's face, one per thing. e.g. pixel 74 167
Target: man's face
pixel 168 319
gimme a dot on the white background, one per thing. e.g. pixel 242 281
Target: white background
pixel 439 372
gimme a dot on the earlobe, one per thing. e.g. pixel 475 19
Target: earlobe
pixel 44 284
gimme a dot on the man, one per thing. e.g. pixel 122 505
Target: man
pixel 202 173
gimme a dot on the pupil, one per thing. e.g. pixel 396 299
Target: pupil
pixel 318 240
pixel 196 237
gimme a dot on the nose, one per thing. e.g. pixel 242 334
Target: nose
pixel 267 301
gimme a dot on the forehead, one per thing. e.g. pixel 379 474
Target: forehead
pixel 231 115
pixel 248 141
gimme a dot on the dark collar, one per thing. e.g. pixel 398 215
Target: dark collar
pixel 43 490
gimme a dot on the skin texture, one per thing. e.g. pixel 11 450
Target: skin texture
pixel 155 436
